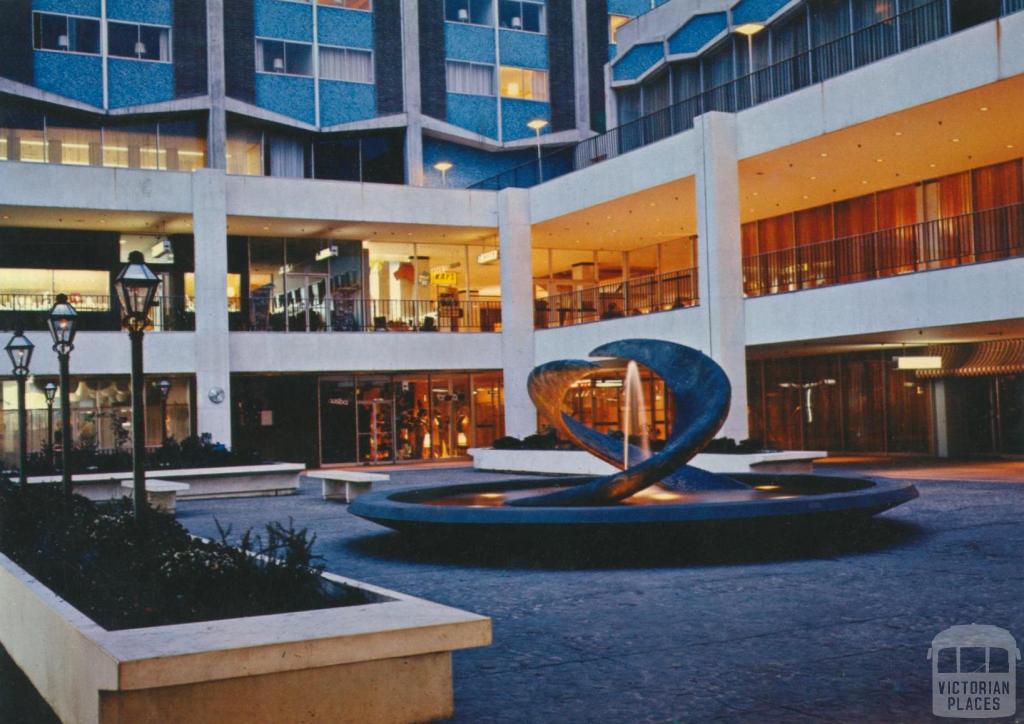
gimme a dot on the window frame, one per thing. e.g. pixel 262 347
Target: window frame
pixel 469 21
pixel 521 68
pixel 67 31
pixel 543 16
pixel 285 43
pixel 347 48
pixel 138 38
pixel 495 85
pixel 333 4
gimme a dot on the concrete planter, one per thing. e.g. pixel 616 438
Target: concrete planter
pixel 386 661
pixel 226 482
pixel 580 462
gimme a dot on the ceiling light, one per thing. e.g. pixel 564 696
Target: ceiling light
pixel 931 165
pixel 956 140
pixel 1009 145
pixel 824 154
pixel 917 363
pixel 983 108
pixel 878 160
pixel 814 178
pixel 899 133
pixel 864 181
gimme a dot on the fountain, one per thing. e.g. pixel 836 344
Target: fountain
pixel 649 490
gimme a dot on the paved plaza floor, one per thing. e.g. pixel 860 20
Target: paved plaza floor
pixel 836 628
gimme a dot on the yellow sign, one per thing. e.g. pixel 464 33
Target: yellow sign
pixel 443 278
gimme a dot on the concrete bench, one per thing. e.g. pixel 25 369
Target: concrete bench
pixel 345 485
pixel 161 494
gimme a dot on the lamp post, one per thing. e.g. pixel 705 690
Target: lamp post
pixel 63 323
pixel 19 349
pixel 164 385
pixel 537 125
pixel 444 167
pixel 50 390
pixel 750 30
pixel 136 286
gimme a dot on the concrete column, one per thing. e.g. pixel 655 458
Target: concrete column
pixel 411 92
pixel 720 260
pixel 212 364
pixel 581 66
pixel 941 417
pixel 517 352
pixel 216 144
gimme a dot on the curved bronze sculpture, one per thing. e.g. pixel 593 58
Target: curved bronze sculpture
pixel 700 391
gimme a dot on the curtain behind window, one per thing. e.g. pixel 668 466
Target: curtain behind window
pixel 287 157
pixel 470 78
pixel 346 64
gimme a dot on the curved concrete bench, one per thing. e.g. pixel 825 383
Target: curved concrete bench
pixel 161 494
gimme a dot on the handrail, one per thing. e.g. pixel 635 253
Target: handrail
pixel 861 47
pixel 968 238
pixel 453 314
pixel 626 298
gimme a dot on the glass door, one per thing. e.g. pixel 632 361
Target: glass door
pixel 375 420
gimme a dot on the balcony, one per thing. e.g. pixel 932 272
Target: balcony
pixel 96 312
pixel 630 298
pixel 366 315
pixel 896 34
pixel 971 238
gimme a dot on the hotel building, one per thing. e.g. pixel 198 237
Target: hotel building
pixel 373 218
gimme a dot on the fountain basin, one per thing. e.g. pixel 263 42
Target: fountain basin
pixel 483 507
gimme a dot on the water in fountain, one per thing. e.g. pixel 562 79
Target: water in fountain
pixel 634 415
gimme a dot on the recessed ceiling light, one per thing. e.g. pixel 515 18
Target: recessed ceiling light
pixel 956 140
pixel 806 196
pixel 864 181
pixel 755 193
pixel 7 216
pixel 899 133
pixel 983 108
pixel 814 178
pixel 931 165
pixel 1009 145
pixel 824 154
pixel 878 160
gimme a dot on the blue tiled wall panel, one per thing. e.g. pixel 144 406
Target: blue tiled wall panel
pixel 350 28
pixel 343 102
pixel 755 11
pixel 529 50
pixel 516 113
pixel 697 32
pixel 628 7
pixel 287 20
pixel 468 42
pixel 71 7
pixel 134 82
pixel 469 165
pixel 475 113
pixel 70 75
pixel 157 12
pixel 612 50
pixel 288 95
pixel 637 60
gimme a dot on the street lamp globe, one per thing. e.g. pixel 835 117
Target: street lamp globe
pixel 19 349
pixel 50 390
pixel 136 286
pixel 164 385
pixel 63 323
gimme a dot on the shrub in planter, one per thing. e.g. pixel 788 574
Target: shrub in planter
pixel 128 574
pixel 507 443
pixel 728 446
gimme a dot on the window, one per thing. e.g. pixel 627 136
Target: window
pixel 477 12
pixel 473 78
pixel 518 15
pixel 350 4
pixel 524 83
pixel 66 33
pixel 142 42
pixel 348 64
pixel 614 23
pixel 277 56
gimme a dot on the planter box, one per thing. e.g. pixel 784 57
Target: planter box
pixel 387 661
pixel 580 462
pixel 226 482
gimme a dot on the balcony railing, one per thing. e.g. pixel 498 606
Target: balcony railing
pixel 888 37
pixel 368 315
pixel 965 239
pixel 634 297
pixel 96 312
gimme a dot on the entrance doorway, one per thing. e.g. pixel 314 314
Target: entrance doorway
pixel 986 415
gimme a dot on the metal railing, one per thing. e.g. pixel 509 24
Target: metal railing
pixel 367 315
pixel 96 312
pixel 888 37
pixel 966 239
pixel 630 298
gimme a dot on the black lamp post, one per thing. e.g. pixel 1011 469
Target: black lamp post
pixel 164 385
pixel 19 349
pixel 50 390
pixel 63 322
pixel 136 287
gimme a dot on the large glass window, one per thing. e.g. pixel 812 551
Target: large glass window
pixel 525 83
pixel 517 15
pixel 350 64
pixel 66 33
pixel 279 56
pixel 142 42
pixel 477 12
pixel 471 78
